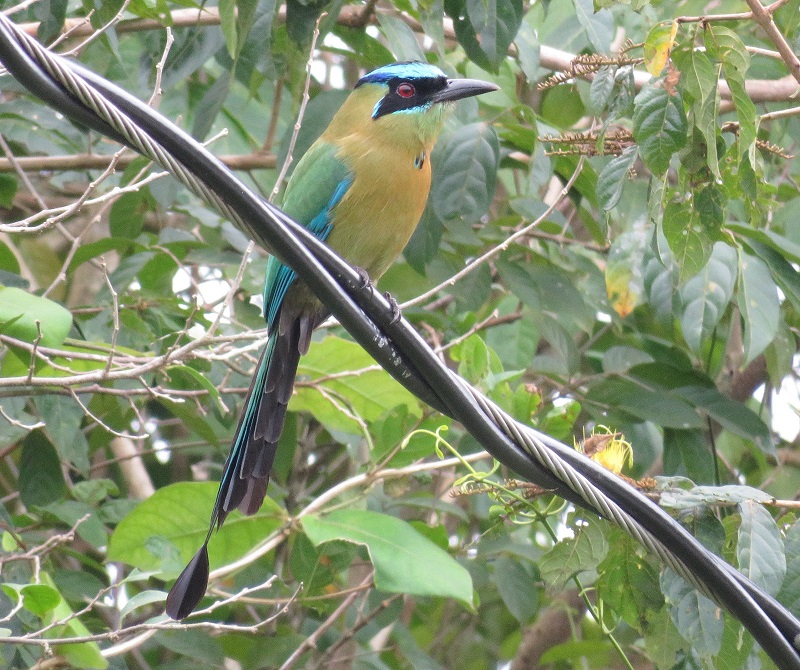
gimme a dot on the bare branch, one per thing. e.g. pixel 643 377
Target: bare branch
pixel 763 16
pixel 255 161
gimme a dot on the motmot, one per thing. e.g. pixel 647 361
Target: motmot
pixel 361 188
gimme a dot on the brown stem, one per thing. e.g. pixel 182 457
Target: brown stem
pixel 255 161
pixel 759 90
pixel 763 17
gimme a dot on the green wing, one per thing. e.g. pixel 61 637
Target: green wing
pixel 318 183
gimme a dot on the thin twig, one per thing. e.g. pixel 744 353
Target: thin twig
pixel 298 124
pixel 311 641
pixel 157 92
pixel 258 160
pixel 763 17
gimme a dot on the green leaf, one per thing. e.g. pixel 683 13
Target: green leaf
pixel 140 600
pixel 127 216
pixel 301 17
pixel 194 645
pixel 192 418
pixel 515 343
pixel 36 598
pixel 211 104
pixel 659 124
pixel 598 24
pixel 657 46
pixel 662 640
pixel 527 43
pixel 518 279
pixel 736 647
pixel 788 249
pixel 561 358
pixel 688 240
pixel 711 496
pixel 709 202
pixel 662 407
pixel 613 176
pixel 699 76
pixel 706 295
pixel 758 304
pixel 516 584
pixel 726 45
pixel 628 583
pixel 20 310
pixel 600 89
pixel 686 453
pixel 695 616
pixel 783 272
pixel 467 169
pixel 404 560
pixel 94 249
pixel 789 593
pixel 660 278
pixel 8 189
pixel 80 654
pixel 622 358
pixel 730 414
pixel 70 512
pixel 51 15
pixel 576 653
pixel 178 515
pixel 63 417
pixel 562 106
pixel 316 567
pixel 576 556
pixel 227 21
pixel 366 394
pixel 40 479
pixel 475 360
pixel 401 39
pixel 485 28
pixel 759 548
pixel 423 246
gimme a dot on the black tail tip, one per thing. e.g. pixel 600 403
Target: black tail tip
pixel 190 587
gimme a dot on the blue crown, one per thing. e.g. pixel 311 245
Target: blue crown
pixel 408 70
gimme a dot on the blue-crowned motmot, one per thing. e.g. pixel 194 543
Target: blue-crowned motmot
pixel 361 187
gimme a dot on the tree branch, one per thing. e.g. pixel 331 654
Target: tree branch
pixel 258 160
pixel 759 90
pixel 763 17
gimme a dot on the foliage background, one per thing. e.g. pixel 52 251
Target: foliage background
pixel 657 296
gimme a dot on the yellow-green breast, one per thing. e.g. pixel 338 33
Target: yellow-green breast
pixel 390 162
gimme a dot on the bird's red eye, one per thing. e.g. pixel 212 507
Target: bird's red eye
pixel 405 90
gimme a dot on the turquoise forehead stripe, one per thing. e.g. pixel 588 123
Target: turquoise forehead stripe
pixel 403 71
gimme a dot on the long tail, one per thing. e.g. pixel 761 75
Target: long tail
pixel 246 472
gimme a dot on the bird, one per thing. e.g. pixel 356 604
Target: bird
pixel 361 188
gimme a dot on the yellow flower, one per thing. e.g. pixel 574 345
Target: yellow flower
pixel 608 449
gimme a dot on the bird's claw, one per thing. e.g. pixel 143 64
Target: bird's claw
pixel 396 312
pixel 364 281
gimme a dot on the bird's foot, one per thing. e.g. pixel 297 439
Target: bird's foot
pixel 396 312
pixel 363 277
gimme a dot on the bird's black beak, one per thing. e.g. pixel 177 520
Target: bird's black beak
pixel 456 89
